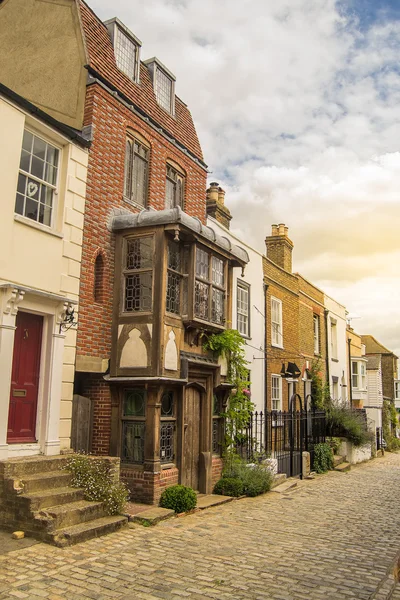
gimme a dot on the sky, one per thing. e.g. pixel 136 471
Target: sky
pixel 297 107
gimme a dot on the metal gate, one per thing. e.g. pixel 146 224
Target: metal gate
pixel 283 436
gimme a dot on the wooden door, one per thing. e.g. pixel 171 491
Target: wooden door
pixel 192 437
pixel 25 378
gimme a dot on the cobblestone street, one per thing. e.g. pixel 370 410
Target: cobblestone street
pixel 335 537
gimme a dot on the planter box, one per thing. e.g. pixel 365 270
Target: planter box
pixel 355 454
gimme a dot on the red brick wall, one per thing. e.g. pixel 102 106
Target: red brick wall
pixel 98 390
pixel 148 487
pixel 110 120
pixel 217 465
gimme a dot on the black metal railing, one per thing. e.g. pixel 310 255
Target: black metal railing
pixel 282 436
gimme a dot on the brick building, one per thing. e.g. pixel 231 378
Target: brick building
pixel 155 279
pixel 295 324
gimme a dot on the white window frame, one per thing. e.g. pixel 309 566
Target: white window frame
pixel 397 390
pixel 243 308
pixel 276 398
pixel 276 323
pixel 358 374
pixel 316 334
pixel 41 182
pixel 334 347
pixel 117 31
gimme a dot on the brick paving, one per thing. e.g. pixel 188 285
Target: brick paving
pixel 335 537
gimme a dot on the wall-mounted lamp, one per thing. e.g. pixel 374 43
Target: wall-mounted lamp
pixel 68 319
pixel 292 371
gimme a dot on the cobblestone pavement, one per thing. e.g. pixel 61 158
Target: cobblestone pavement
pixel 336 537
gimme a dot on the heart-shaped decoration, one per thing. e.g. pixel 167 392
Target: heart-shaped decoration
pixel 32 189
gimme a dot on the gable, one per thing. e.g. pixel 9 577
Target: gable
pixel 42 56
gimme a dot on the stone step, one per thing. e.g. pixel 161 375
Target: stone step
pixel 288 485
pixel 343 467
pixel 337 460
pixel 86 531
pixel 278 479
pixel 53 497
pixel 44 481
pixel 29 465
pixel 66 515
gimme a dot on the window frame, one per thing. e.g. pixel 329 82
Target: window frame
pixel 182 274
pixel 129 193
pixel 217 430
pixel 116 29
pixel 334 344
pixel 316 324
pixel 177 178
pixel 130 272
pixel 279 323
pixel 211 285
pixel 277 379
pixel 53 187
pixel 169 420
pixel 397 390
pixel 358 374
pixel 243 286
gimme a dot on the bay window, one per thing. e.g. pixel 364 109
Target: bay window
pixel 210 287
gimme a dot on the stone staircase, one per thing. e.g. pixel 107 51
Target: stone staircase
pixel 36 497
pixel 340 464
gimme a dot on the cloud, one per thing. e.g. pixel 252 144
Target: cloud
pixel 297 107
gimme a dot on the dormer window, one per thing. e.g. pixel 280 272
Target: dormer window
pixel 126 48
pixel 164 84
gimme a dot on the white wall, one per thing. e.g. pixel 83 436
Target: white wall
pixel 255 344
pixel 43 263
pixel 338 365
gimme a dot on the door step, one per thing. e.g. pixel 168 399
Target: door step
pixel 343 467
pixel 284 487
pixel 337 460
pixel 67 515
pixel 86 531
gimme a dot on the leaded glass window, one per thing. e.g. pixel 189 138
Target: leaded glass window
pixel 217 426
pixel 177 267
pixel 133 426
pixel 138 274
pixel 126 54
pixel 167 427
pixel 163 90
pixel 37 179
pixel 209 289
pixel 174 188
pixel 136 171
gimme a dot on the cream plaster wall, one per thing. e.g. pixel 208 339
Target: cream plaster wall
pixel 38 257
pixel 338 365
pixel 255 345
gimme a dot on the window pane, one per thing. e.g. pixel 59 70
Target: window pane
pixel 139 253
pixel 167 441
pixel 39 148
pixel 50 174
pixel 201 300
pixel 217 268
pixel 27 141
pixel 139 180
pixel 44 214
pixel 174 256
pixel 173 293
pixel 25 163
pixel 37 167
pixel 31 209
pixel 167 404
pixel 128 170
pixel 169 194
pixel 138 292
pixel 134 403
pixel 202 264
pixel 133 433
pixel 125 54
pixel 19 204
pixel 163 90
pixel 217 310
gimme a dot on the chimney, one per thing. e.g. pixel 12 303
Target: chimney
pixel 279 247
pixel 215 205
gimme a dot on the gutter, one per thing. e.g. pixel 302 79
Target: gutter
pixel 326 312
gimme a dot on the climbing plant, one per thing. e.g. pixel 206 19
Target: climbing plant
pixel 389 425
pixel 320 391
pixel 230 344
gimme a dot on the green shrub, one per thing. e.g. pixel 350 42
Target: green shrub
pixel 350 424
pixel 95 477
pixel 256 479
pixel 179 498
pixel 323 458
pixel 229 486
pixel 335 444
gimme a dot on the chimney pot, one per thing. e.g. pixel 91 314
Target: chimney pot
pixel 274 230
pixel 281 229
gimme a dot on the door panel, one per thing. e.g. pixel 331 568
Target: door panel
pixel 25 378
pixel 192 437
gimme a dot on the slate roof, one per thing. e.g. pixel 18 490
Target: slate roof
pixel 372 346
pixel 102 59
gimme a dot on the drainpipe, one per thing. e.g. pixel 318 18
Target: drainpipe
pixel 326 312
pixel 350 380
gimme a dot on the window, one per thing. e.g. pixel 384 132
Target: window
pixel 136 171
pixel 138 274
pixel 37 179
pixel 98 287
pixel 126 48
pixel 174 188
pixel 333 339
pixel 397 390
pixel 167 428
pixel 316 334
pixel 177 280
pixel 243 308
pixel 209 293
pixel 163 90
pixel 133 426
pixel 276 392
pixel 358 375
pixel 276 323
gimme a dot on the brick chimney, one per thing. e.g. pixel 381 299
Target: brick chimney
pixel 215 206
pixel 279 247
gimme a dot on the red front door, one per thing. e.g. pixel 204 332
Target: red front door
pixel 25 379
